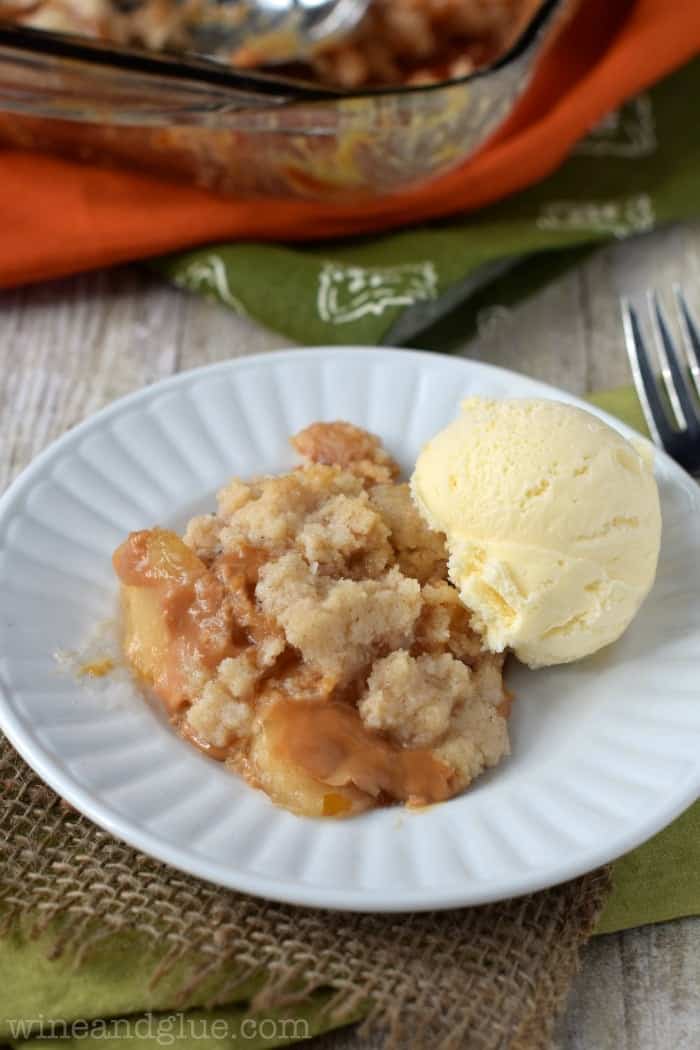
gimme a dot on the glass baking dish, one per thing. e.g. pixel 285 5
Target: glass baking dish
pixel 256 135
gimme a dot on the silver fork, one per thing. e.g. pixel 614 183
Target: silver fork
pixel 678 430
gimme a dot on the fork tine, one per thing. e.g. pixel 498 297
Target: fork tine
pixel 672 369
pixel 691 336
pixel 644 380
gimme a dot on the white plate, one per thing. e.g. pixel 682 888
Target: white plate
pixel 605 752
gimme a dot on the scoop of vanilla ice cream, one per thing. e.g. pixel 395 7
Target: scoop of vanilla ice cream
pixel 552 520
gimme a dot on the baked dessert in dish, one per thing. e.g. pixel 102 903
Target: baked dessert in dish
pixel 306 634
pixel 398 41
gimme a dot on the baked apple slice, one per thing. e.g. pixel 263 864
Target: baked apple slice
pixel 167 593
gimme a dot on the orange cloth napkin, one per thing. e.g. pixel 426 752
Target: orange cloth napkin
pixel 58 217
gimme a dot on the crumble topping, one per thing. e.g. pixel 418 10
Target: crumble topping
pixel 307 634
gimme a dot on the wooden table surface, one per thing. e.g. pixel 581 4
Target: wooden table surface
pixel 70 347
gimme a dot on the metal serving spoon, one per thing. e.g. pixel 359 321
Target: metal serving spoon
pixel 264 32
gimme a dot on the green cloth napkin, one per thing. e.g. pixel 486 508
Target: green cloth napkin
pixel 639 168
pixel 107 999
pixel 656 882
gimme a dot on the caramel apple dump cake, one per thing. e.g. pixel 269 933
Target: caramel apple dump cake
pixel 307 635
pixel 397 42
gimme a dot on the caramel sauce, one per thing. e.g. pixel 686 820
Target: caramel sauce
pixel 199 617
pixel 239 571
pixel 330 742
pixel 130 560
pixel 97 668
pixel 335 805
pixel 193 604
pixel 220 754
pixel 155 556
pixel 506 705
pixel 244 563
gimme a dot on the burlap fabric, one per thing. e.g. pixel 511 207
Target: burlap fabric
pixel 486 978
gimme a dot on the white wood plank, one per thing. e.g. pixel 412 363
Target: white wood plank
pixel 638 990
